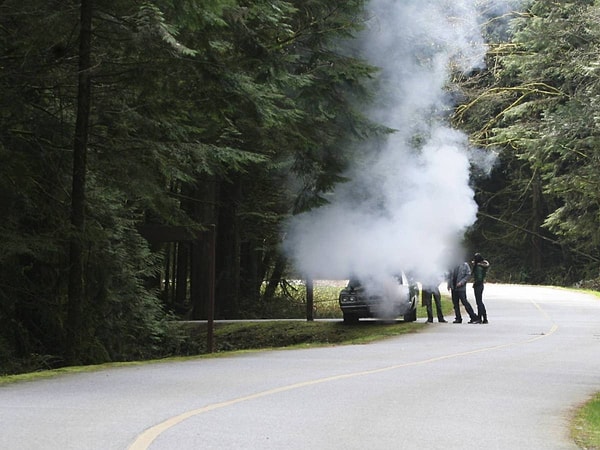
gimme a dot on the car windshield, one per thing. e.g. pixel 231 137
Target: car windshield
pixel 354 283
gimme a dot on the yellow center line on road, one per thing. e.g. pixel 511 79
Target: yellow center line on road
pixel 145 439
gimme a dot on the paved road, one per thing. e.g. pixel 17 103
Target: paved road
pixel 511 384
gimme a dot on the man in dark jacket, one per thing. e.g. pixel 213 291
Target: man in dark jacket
pixel 457 285
pixel 480 267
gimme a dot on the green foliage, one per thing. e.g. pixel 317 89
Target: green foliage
pixel 537 102
pixel 285 334
pixel 200 113
pixel 585 428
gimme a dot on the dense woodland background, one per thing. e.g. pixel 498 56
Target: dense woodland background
pixel 232 115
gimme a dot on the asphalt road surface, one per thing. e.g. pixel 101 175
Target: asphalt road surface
pixel 511 384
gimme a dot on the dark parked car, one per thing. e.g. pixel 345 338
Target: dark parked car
pixel 387 299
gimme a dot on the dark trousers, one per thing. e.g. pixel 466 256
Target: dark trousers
pixel 460 296
pixel 478 290
pixel 429 295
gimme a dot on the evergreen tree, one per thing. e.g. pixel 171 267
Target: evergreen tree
pixel 535 102
pixel 198 112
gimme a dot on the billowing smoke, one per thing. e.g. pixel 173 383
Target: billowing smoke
pixel 409 200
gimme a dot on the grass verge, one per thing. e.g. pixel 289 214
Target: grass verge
pixel 585 428
pixel 256 335
pixel 278 334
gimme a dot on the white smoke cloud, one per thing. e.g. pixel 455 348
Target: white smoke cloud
pixel 409 202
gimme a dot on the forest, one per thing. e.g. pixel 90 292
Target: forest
pixel 151 152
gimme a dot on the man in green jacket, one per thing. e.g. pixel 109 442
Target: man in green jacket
pixel 480 267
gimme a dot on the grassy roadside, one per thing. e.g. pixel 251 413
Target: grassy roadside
pixel 262 334
pixel 585 426
pixel 256 335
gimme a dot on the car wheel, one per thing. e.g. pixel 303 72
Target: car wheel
pixel 350 318
pixel 411 316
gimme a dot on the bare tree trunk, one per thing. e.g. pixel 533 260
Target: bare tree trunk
pixel 204 211
pixel 228 250
pixel 310 300
pixel 181 275
pixel 74 325
pixel 537 243
pixel 275 278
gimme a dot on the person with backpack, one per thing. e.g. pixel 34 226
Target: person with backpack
pixel 480 268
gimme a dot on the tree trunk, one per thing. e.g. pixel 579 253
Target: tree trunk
pixel 181 275
pixel 204 211
pixel 250 271
pixel 74 325
pixel 228 251
pixel 310 300
pixel 275 278
pixel 537 242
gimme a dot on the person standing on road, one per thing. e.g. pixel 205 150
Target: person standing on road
pixel 430 292
pixel 457 285
pixel 480 267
